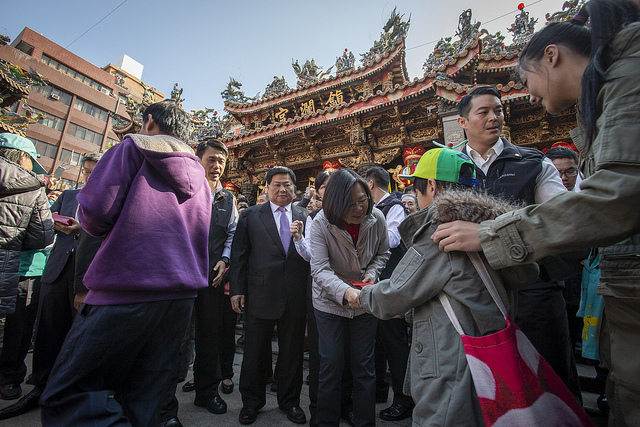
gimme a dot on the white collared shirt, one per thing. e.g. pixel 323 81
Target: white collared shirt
pixel 276 213
pixel 394 217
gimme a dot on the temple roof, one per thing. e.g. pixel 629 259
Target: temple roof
pixel 330 82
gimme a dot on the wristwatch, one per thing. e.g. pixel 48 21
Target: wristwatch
pixel 225 260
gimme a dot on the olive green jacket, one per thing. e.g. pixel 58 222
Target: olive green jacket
pixel 605 211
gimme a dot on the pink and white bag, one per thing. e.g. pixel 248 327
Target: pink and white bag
pixel 514 384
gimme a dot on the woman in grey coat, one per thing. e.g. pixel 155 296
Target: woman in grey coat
pixel 349 243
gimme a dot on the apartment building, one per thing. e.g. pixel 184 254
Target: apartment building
pixel 77 102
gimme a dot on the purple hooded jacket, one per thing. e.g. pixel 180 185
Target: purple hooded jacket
pixel 149 197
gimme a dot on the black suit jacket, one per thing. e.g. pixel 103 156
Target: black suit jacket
pixel 66 205
pixel 269 278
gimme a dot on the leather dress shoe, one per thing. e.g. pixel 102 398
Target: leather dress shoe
pixel 28 402
pixel 173 422
pixel 296 415
pixel 396 412
pixel 10 391
pixel 248 415
pixel 188 386
pixel 226 389
pixel 216 405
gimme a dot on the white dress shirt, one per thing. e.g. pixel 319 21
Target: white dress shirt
pixel 395 216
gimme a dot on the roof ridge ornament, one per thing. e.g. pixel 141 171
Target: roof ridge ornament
pixel 309 72
pixel 393 32
pixel 345 62
pixel 232 92
pixel 276 87
pixel 569 9
pixel 523 27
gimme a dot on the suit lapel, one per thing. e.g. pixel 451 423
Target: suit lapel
pixel 266 216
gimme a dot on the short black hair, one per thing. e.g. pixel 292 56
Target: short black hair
pixel 562 153
pixel 379 176
pixel 170 118
pixel 408 188
pixel 464 107
pixel 213 143
pixel 280 170
pixel 337 197
pixel 321 178
pixel 242 199
pixel 466 174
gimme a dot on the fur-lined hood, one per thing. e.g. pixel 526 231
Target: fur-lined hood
pixel 452 205
pixel 471 206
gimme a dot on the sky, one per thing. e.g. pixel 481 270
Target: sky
pixel 199 44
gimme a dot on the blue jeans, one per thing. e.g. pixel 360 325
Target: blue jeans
pixel 358 334
pixel 127 351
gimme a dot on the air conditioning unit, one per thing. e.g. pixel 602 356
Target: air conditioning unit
pixel 55 96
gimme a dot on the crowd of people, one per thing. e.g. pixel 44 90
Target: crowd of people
pixel 153 261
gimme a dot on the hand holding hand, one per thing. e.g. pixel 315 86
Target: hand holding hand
pixel 458 236
pixel 296 229
pixel 353 298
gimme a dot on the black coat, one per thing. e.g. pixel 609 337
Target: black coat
pixel 66 205
pixel 261 271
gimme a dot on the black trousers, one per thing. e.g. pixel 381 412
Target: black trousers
pixel 129 350
pixel 394 342
pixel 54 319
pixel 18 330
pixel 257 359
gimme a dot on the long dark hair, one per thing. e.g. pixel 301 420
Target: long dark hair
pixel 337 196
pixel 607 18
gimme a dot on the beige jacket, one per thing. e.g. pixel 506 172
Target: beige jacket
pixel 606 210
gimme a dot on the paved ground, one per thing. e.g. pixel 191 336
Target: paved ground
pixel 193 416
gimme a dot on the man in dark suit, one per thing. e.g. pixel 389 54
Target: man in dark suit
pixel 269 279
pixel 55 304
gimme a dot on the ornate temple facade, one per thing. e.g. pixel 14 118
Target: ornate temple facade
pixel 371 114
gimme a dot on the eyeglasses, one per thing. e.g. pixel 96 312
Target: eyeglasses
pixel 569 173
pixel 359 203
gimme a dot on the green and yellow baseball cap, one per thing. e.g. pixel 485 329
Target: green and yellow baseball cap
pixel 442 164
pixel 11 140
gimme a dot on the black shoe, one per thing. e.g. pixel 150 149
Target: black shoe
pixel 248 415
pixel 22 406
pixel 296 415
pixel 226 389
pixel 10 391
pixel 348 415
pixel 189 386
pixel 603 404
pixel 396 412
pixel 217 405
pixel 173 422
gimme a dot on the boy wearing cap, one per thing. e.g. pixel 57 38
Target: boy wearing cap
pixel 25 218
pixel 438 377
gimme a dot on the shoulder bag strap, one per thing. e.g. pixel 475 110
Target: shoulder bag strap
pixel 488 282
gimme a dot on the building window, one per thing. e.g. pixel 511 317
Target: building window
pixel 70 157
pixel 91 109
pixel 44 149
pixel 72 73
pixel 25 47
pixel 84 133
pixel 53 93
pixel 50 120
